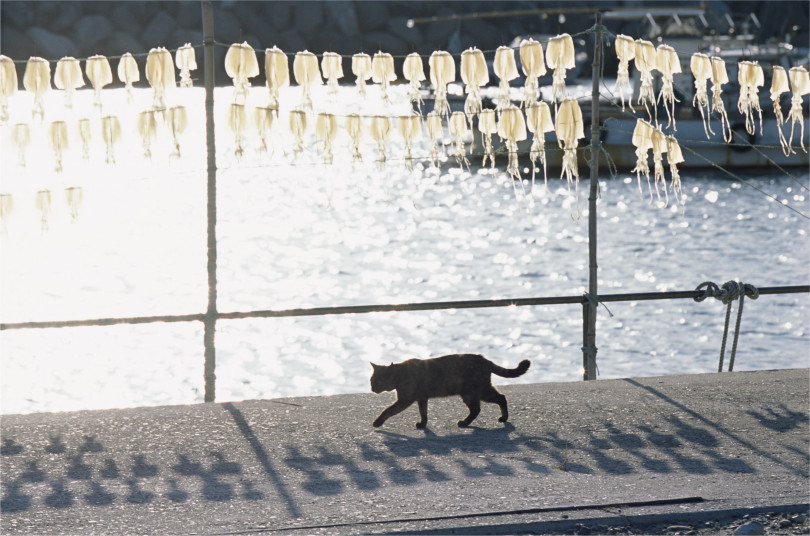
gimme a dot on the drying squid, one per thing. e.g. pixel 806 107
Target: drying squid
pixel 659 147
pixel 332 67
pixel 643 142
pixel 128 73
pixel 625 51
pixel 645 61
pixel 720 77
pixel 414 73
pixel 326 127
pixel 570 129
pixel 750 77
pixel 99 73
pixel 354 128
pixel 177 121
pixel 241 65
pixel 58 136
pixel 382 72
pixel 186 61
pixel 84 136
pixel 800 84
pixel 538 121
pixel 701 67
pixel 512 128
pixel 236 122
pixel 43 204
pixel 410 128
pixel 21 136
pixel 37 80
pixel 68 76
pixel 74 201
pixel 675 157
pixel 378 130
pixel 533 64
pixel 506 71
pixel 147 129
pixel 474 74
pixel 6 207
pixel 433 124
pixel 110 134
pixel 160 75
pixel 361 69
pixel 667 62
pixel 307 74
pixel 457 124
pixel 487 126
pixel 298 127
pixel 277 73
pixel 442 72
pixel 8 85
pixel 263 120
pixel 779 85
pixel 560 56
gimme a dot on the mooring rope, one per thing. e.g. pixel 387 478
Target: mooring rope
pixel 728 293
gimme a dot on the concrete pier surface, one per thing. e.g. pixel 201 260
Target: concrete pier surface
pixel 629 452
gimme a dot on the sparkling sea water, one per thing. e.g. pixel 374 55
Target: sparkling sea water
pixel 294 233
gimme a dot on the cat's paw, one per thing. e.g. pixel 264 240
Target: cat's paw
pixel 462 424
pixel 503 419
pixel 377 423
pixel 421 425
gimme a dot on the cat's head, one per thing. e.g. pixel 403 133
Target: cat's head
pixel 382 378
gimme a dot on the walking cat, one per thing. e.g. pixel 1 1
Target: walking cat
pixel 417 380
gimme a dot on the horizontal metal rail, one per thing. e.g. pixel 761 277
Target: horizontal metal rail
pixel 385 308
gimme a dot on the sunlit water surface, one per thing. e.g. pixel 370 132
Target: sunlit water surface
pixel 297 233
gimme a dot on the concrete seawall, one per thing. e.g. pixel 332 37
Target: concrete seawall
pixel 669 448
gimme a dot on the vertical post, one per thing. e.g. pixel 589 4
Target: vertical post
pixel 589 311
pixel 211 311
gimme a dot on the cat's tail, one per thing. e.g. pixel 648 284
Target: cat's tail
pixel 521 369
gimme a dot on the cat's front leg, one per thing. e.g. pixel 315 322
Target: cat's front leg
pixel 390 411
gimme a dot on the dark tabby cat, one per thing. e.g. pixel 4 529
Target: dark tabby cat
pixel 416 380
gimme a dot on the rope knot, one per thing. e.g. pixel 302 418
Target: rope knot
pixel 728 293
pixel 590 299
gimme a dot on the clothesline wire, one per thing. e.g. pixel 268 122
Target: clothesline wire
pixel 606 34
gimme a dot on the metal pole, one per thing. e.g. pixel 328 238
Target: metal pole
pixel 589 315
pixel 211 312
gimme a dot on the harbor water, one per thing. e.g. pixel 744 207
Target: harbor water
pixel 294 232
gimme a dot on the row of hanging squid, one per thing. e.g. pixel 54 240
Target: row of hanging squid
pixel 59 134
pixel 242 64
pixel 43 204
pixel 750 77
pixel 510 122
pixel 67 76
pixel 507 120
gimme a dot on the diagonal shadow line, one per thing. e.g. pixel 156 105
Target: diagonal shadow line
pixel 261 454
pixel 717 427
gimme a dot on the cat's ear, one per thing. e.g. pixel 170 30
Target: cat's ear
pixel 375 366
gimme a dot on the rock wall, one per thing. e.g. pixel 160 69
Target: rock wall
pixel 54 29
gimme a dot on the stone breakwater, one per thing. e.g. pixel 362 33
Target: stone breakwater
pixel 54 29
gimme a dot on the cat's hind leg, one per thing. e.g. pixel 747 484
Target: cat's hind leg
pixel 390 411
pixel 422 414
pixel 493 396
pixel 475 408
